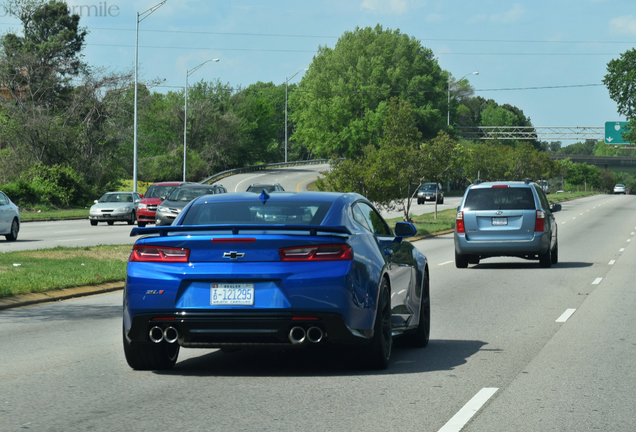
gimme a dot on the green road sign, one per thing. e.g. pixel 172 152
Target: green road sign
pixel 614 131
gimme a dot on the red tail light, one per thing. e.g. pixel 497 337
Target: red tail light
pixel 539 223
pixel 459 223
pixel 332 252
pixel 159 254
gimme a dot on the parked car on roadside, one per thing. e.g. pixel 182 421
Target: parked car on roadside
pixel 430 192
pixel 258 187
pixel 506 219
pixel 245 270
pixel 9 218
pixel 169 209
pixel 155 195
pixel 115 206
pixel 620 189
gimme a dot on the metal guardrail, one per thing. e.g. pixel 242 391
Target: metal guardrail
pixel 221 175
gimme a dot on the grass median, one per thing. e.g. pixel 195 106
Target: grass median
pixel 50 269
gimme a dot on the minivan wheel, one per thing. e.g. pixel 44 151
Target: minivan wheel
pixel 555 253
pixel 461 261
pixel 545 259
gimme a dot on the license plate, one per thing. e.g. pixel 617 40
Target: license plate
pixel 231 294
pixel 498 221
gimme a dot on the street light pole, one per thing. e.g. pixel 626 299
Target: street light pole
pixel 449 83
pixel 286 84
pixel 140 17
pixel 185 112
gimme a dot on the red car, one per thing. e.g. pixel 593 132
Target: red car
pixel 155 195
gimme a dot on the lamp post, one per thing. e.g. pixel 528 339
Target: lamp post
pixel 449 83
pixel 185 112
pixel 140 17
pixel 286 84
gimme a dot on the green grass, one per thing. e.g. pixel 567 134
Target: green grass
pixel 54 214
pixel 49 269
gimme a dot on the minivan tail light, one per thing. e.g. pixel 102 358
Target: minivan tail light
pixel 539 224
pixel 141 253
pixel 330 252
pixel 459 223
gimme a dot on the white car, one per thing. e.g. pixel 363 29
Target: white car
pixel 9 218
pixel 115 206
pixel 620 189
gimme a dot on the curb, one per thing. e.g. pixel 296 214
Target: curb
pixel 22 300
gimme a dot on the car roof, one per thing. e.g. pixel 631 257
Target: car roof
pixel 169 183
pixel 197 186
pixel 487 185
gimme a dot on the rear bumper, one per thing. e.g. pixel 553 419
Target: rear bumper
pixel 217 330
pixel 539 244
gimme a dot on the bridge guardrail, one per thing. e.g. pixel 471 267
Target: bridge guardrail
pixel 218 176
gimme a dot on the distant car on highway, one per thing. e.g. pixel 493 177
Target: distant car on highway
pixel 430 192
pixel 155 195
pixel 620 189
pixel 115 206
pixel 9 218
pixel 270 187
pixel 169 209
pixel 283 271
pixel 506 219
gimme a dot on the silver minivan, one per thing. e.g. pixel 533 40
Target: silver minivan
pixel 506 219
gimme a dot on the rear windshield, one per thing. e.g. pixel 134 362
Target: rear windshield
pixel 259 188
pixel 188 194
pixel 428 187
pixel 507 198
pixel 241 212
pixel 157 191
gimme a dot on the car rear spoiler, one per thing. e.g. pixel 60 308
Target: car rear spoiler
pixel 236 228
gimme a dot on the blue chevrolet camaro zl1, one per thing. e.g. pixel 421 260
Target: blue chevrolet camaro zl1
pixel 281 270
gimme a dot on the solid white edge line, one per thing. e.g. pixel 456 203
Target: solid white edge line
pixel 459 420
pixel 597 281
pixel 447 262
pixel 565 315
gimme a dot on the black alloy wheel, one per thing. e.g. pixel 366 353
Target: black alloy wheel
pixel 148 355
pixel 420 337
pixel 377 354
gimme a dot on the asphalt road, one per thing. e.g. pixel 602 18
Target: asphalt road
pixel 515 346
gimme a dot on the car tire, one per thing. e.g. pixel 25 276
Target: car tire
pixel 555 253
pixel 150 356
pixel 420 337
pixel 15 228
pixel 376 355
pixel 141 224
pixel 441 201
pixel 94 223
pixel 420 201
pixel 545 259
pixel 110 222
pixel 461 261
pixel 132 219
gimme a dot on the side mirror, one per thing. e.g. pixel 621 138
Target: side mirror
pixel 405 229
pixel 555 207
pixel 137 201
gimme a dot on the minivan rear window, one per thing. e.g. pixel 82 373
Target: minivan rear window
pixel 510 198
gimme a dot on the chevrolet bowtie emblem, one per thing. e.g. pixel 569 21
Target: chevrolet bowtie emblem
pixel 233 255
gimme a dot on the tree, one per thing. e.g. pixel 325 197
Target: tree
pixel 620 81
pixel 341 101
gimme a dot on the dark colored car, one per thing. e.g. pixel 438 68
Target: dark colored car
pixel 258 187
pixel 155 195
pixel 506 219
pixel 430 192
pixel 169 209
pixel 284 270
pixel 115 206
pixel 9 218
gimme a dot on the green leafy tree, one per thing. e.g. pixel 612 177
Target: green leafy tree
pixel 341 101
pixel 619 80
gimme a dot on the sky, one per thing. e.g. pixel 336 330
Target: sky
pixel 546 57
